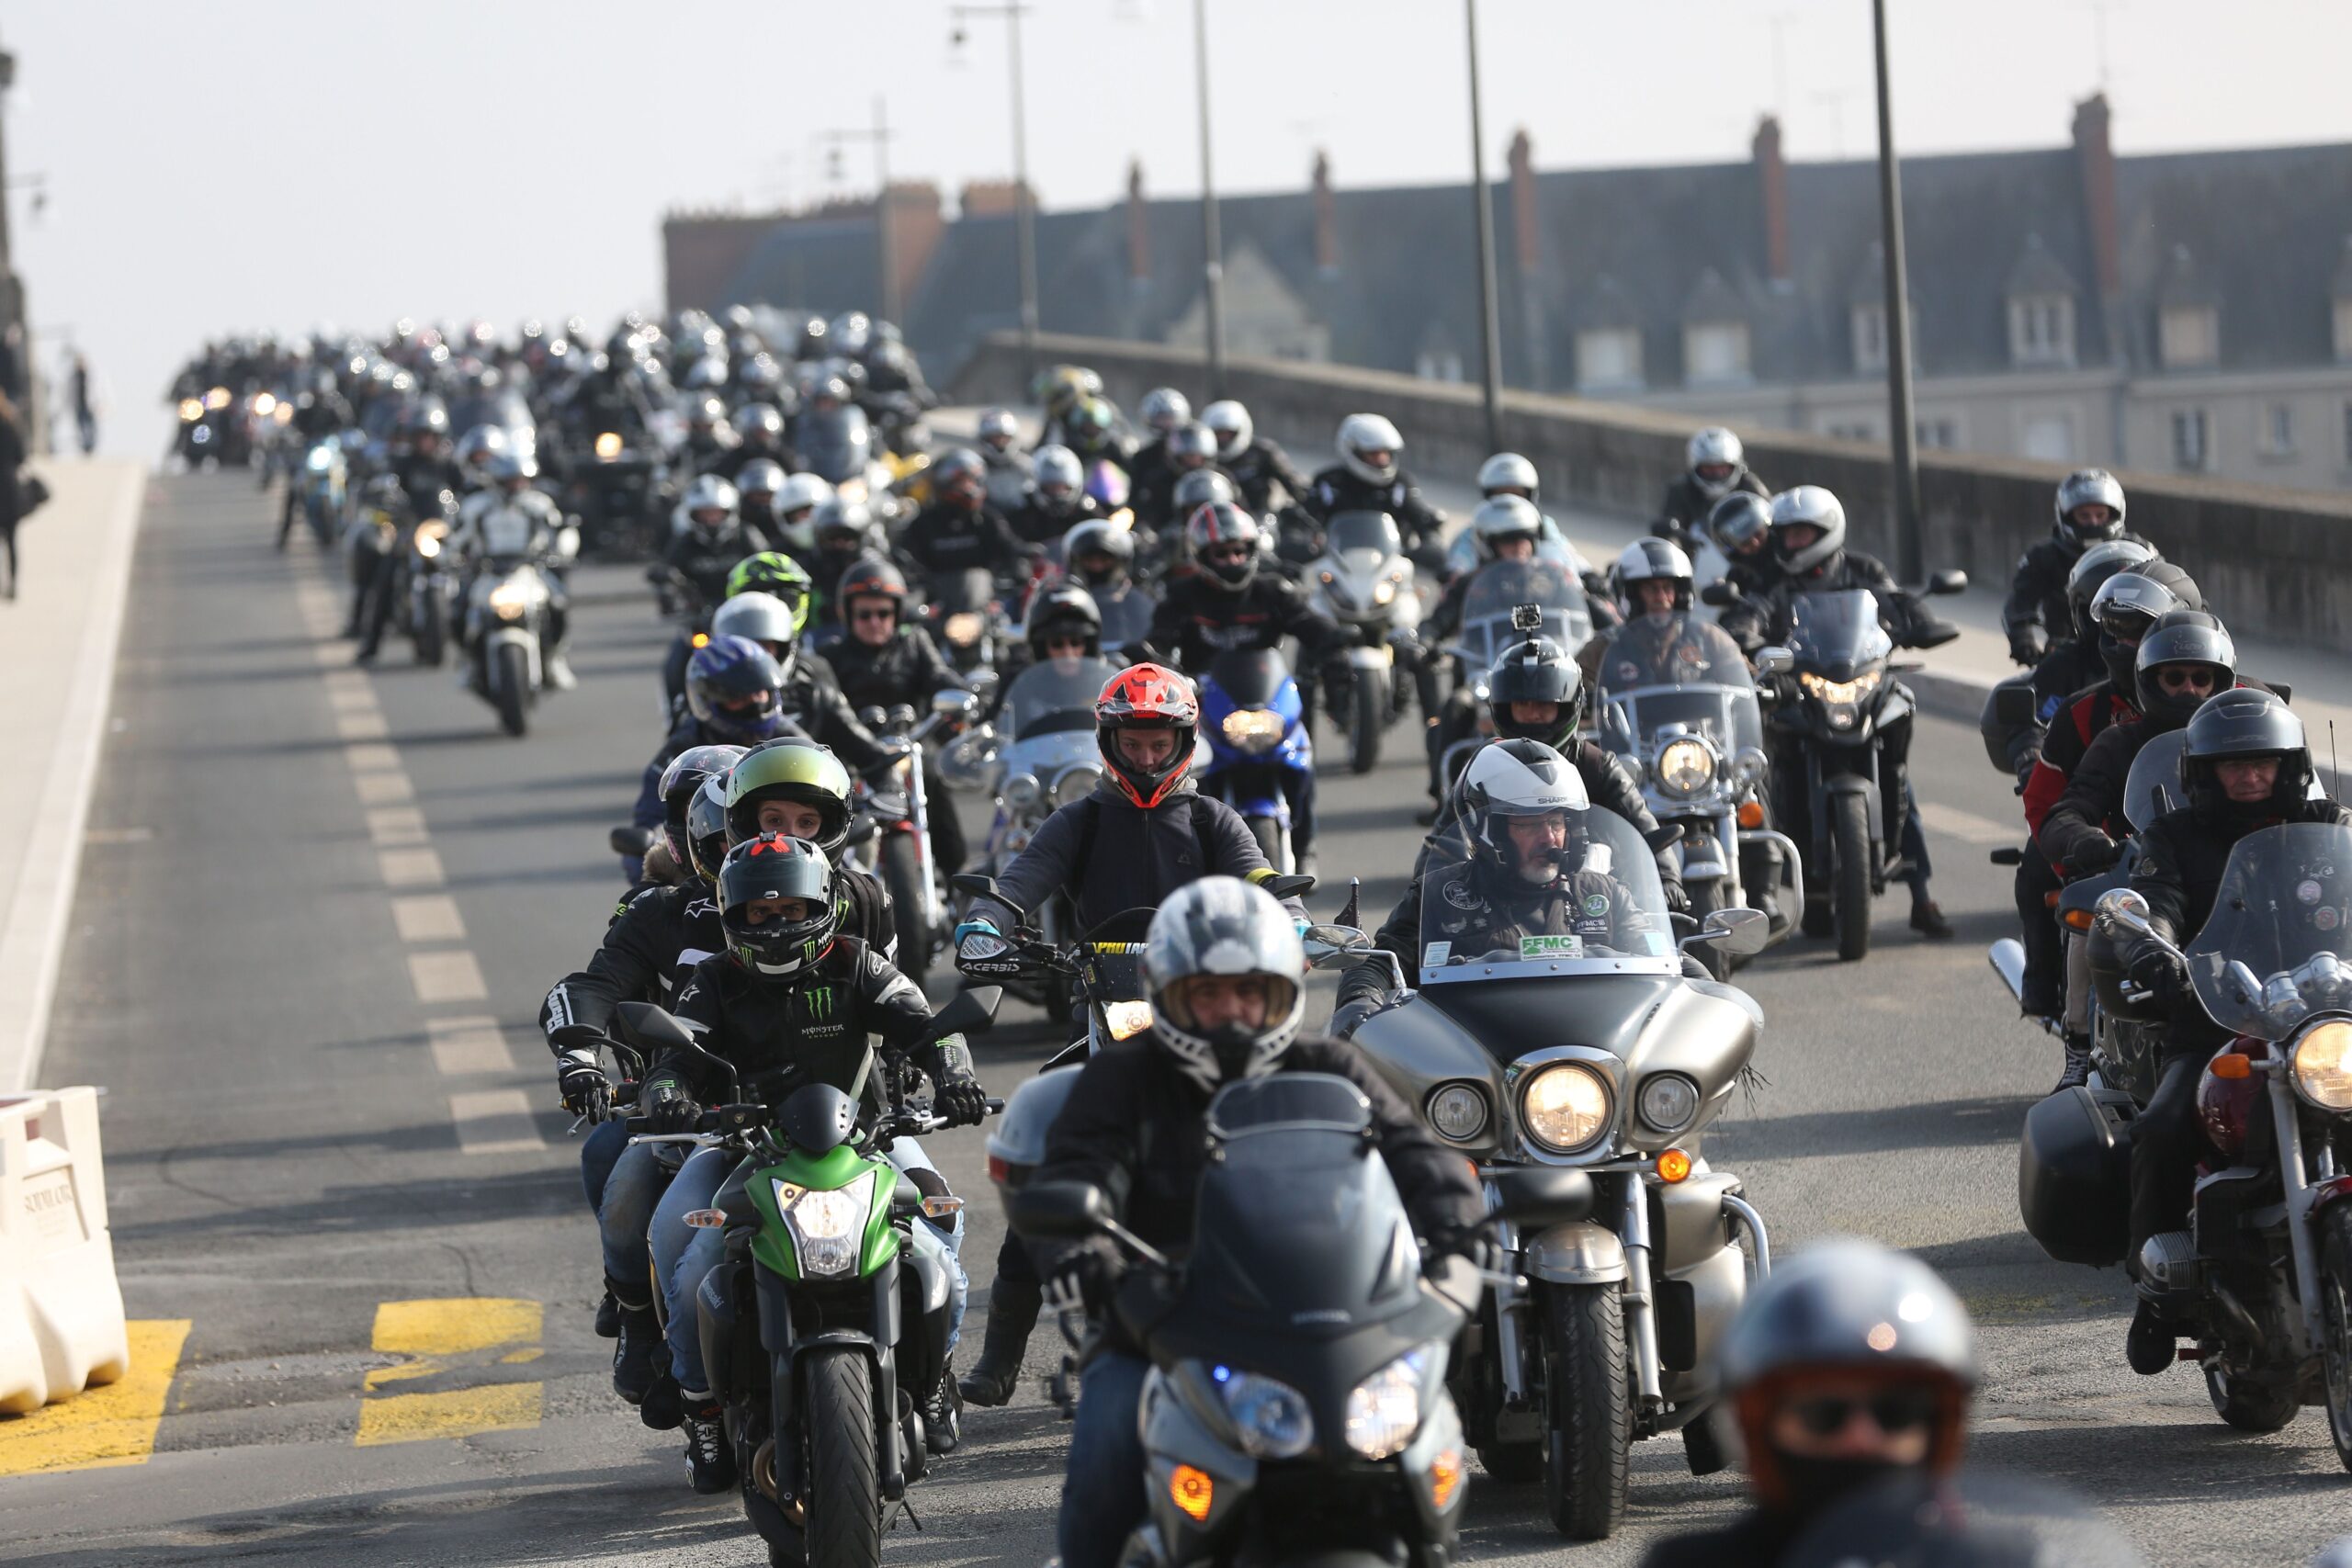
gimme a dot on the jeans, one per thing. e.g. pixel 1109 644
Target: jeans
pixel 1102 1499
pixel 599 1152
pixel 682 1256
pixel 634 1186
pixel 1914 840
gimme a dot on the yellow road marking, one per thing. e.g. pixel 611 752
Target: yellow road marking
pixel 454 1325
pixel 113 1425
pixel 418 1418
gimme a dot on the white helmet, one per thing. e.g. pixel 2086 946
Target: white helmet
pixel 709 493
pixel 762 618
pixel 1717 447
pixel 1229 422
pixel 1506 471
pixel 800 491
pixel 1653 560
pixel 1163 409
pixel 1222 925
pixel 1521 779
pixel 1362 433
pixel 1807 505
pixel 1505 517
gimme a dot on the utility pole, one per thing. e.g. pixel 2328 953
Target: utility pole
pixel 1212 245
pixel 1490 336
pixel 16 342
pixel 885 241
pixel 1024 218
pixel 1910 564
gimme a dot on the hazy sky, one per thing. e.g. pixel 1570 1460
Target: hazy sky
pixel 280 163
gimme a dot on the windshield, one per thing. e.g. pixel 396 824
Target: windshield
pixel 835 444
pixel 1249 677
pixel 1503 585
pixel 1055 696
pixel 2277 947
pixel 1285 1102
pixel 1605 913
pixel 1837 634
pixel 1374 531
pixel 2153 786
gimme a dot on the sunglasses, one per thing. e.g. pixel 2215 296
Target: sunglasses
pixel 885 614
pixel 2191 678
pixel 1055 644
pixel 1895 1411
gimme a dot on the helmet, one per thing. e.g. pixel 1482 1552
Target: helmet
pixel 1737 521
pixel 1226 927
pixel 1192 441
pixel 1365 434
pixel 1653 560
pixel 1057 466
pixel 2087 487
pixel 707 411
pixel 773 866
pixel 999 428
pixel 725 682
pixel 1089 422
pixel 2091 570
pixel 1154 696
pixel 1716 447
pixel 508 463
pixel 2181 637
pixel 802 492
pixel 2124 609
pixel 1098 535
pixel 765 618
pixel 1065 385
pixel 1505 517
pixel 1202 487
pixel 1164 408
pixel 870 577
pixel 1536 670
pixel 1516 779
pixel 1507 470
pixel 478 445
pixel 706 828
pixel 772 571
pixel 959 470
pixel 2245 722
pixel 761 476
pixel 681 782
pixel 844 527
pixel 849 333
pixel 709 493
pixel 1849 1308
pixel 1807 505
pixel 1064 608
pixel 1229 422
pixel 795 769
pixel 1215 527
pixel 761 419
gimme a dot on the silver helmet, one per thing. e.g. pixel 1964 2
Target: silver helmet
pixel 1807 506
pixel 1716 447
pixel 1364 433
pixel 1230 423
pixel 1507 470
pixel 1226 927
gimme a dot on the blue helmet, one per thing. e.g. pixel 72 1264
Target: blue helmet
pixel 735 690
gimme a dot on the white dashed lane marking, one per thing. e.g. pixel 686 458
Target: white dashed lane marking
pixel 463 1047
pixel 447 976
pixel 428 917
pixel 1966 825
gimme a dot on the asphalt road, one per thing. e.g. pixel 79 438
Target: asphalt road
pixel 317 915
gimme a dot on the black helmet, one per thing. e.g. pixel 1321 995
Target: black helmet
pixel 2087 487
pixel 1060 611
pixel 870 577
pixel 2092 568
pixel 2181 637
pixel 1848 1309
pixel 1220 527
pixel 1536 670
pixel 706 828
pixel 1737 521
pixel 2127 604
pixel 681 781
pixel 768 867
pixel 795 769
pixel 1099 537
pixel 2244 723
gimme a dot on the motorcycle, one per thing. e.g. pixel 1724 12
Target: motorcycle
pixel 1255 724
pixel 2262 1277
pixel 506 615
pixel 432 584
pixel 1362 581
pixel 818 1329
pixel 1567 1051
pixel 892 837
pixel 1298 1408
pixel 614 490
pixel 1507 603
pixel 1679 704
pixel 322 487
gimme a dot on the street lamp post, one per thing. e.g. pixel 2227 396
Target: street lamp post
pixel 1910 562
pixel 1490 336
pixel 886 244
pixel 1024 233
pixel 1212 245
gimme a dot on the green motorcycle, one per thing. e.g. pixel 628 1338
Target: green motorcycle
pixel 831 1303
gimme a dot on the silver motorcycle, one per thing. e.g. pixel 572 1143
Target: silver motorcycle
pixel 506 615
pixel 1363 581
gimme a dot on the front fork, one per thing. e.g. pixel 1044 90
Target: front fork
pixel 2303 1200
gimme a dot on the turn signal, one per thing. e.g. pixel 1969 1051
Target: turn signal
pixel 2230 1064
pixel 1445 1477
pixel 702 639
pixel 942 1206
pixel 2077 920
pixel 1751 814
pixel 1673 1166
pixel 705 1219
pixel 1192 1491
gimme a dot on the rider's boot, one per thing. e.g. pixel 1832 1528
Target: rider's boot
pixel 2078 1064
pixel 710 1458
pixel 633 1355
pixel 942 1426
pixel 1012 1312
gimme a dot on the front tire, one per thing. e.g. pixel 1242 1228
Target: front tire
pixel 901 872
pixel 1849 827
pixel 1272 842
pixel 510 685
pixel 1368 717
pixel 431 633
pixel 845 1491
pixel 1706 897
pixel 2336 1325
pixel 1590 1410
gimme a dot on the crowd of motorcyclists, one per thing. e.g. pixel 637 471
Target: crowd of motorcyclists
pixel 1618 762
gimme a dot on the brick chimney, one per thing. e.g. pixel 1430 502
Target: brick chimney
pixel 1327 218
pixel 991 198
pixel 911 209
pixel 1526 227
pixel 1138 227
pixel 1772 197
pixel 2095 154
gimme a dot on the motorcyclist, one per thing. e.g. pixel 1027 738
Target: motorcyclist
pixel 1225 974
pixel 759 438
pixel 1185 450
pixel 799 789
pixel 757 484
pixel 514 520
pixel 1256 463
pixel 1809 546
pixel 1098 555
pixel 790 1002
pixel 1507 475
pixel 797 500
pixel 1851 1366
pixel 1506 528
pixel 885 662
pixel 959 530
pixel 1716 464
pixel 2090 508
pixel 2073 662
pixel 1370 477
pixel 2246 766
pixel 707 547
pixel 844 531
pixel 426 472
pixel 1741 526
pixel 1163 411
pixel 1057 497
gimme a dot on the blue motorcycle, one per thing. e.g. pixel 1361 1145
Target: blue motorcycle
pixel 1260 758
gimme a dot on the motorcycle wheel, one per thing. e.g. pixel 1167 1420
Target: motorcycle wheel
pixel 1706 897
pixel 2251 1405
pixel 903 875
pixel 2335 1321
pixel 845 1490
pixel 1849 828
pixel 510 684
pixel 1590 1410
pixel 432 635
pixel 1272 842
pixel 1365 723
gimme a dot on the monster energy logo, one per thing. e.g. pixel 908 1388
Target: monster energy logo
pixel 821 1002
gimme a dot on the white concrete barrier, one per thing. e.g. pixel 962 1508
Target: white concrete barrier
pixel 62 1325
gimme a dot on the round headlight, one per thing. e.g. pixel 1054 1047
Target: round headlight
pixel 1669 1101
pixel 1271 1418
pixel 1458 1112
pixel 1564 1108
pixel 1685 766
pixel 2323 1065
pixel 1023 791
pixel 1076 785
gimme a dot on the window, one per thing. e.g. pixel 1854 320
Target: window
pixel 2041 330
pixel 1715 352
pixel 2048 437
pixel 1940 434
pixel 2191 446
pixel 2278 432
pixel 1609 356
pixel 2344 329
pixel 1850 430
pixel 2188 336
pixel 2348 435
pixel 1870 338
pixel 1439 364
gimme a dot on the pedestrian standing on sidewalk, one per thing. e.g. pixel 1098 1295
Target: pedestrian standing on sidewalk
pixel 12 459
pixel 86 409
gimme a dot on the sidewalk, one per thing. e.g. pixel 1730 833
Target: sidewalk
pixel 57 643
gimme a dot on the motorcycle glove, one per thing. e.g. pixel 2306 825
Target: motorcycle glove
pixel 1472 1246
pixel 586 1090
pixel 2095 856
pixel 980 939
pixel 2155 977
pixel 669 1109
pixel 1678 897
pixel 2028 644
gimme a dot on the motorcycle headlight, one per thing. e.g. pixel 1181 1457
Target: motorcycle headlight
pixel 608 445
pixel 320 460
pixel 1253 730
pixel 1457 1111
pixel 264 405
pixel 1839 693
pixel 507 600
pixel 429 545
pixel 1685 766
pixel 1023 792
pixel 218 398
pixel 1127 1019
pixel 2323 1065
pixel 191 410
pixel 1564 1108
pixel 1076 785
pixel 283 413
pixel 1384 590
pixel 826 1225
pixel 1271 1418
pixel 1669 1101
pixel 964 628
pixel 1384 1410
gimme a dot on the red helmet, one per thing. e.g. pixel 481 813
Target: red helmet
pixel 1154 696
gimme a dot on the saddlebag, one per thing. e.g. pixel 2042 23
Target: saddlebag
pixel 2074 1175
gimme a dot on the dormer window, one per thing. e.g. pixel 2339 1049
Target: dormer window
pixel 1609 359
pixel 2188 337
pixel 1870 338
pixel 1714 353
pixel 2041 330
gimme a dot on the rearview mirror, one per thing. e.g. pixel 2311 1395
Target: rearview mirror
pixel 650 1025
pixel 967 1012
pixel 1540 1195
pixel 1288 886
pixel 1719 592
pixel 954 706
pixel 631 843
pixel 972 884
pixel 2124 907
pixel 2013 705
pixel 1742 933
pixel 1058 1210
pixel 1771 661
pixel 1330 946
pixel 1951 580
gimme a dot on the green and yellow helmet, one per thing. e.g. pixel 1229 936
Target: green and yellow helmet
pixel 773 572
pixel 790 769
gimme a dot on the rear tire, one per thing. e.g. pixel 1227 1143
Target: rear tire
pixel 901 872
pixel 2336 1325
pixel 510 685
pixel 1590 1410
pixel 1368 717
pixel 2251 1407
pixel 1849 827
pixel 845 1491
pixel 432 634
